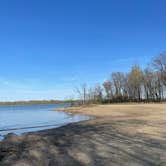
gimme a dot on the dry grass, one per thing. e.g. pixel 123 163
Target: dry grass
pixel 151 113
pixel 120 110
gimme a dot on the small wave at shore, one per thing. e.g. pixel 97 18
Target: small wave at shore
pixel 26 119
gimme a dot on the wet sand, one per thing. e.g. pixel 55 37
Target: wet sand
pixel 124 134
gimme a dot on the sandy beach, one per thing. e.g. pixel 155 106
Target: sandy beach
pixel 119 134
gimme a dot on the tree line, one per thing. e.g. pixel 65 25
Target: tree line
pixel 138 85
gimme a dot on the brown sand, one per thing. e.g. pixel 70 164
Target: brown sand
pixel 124 134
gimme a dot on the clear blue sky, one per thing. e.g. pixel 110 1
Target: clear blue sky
pixel 48 47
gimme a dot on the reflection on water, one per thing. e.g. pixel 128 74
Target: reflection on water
pixel 27 118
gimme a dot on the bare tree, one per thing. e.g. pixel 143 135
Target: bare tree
pixel 120 81
pixel 91 95
pixel 157 86
pixel 159 64
pixel 135 78
pixel 98 93
pixel 82 93
pixel 149 84
pixel 108 89
pixel 117 80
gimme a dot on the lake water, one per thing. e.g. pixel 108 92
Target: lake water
pixel 27 118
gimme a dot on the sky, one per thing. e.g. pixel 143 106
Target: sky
pixel 48 47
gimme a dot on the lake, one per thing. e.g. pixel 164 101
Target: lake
pixel 27 118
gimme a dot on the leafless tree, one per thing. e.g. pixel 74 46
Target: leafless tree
pixel 120 81
pixel 149 84
pixel 98 93
pixel 82 93
pixel 159 64
pixel 108 89
pixel 117 78
pixel 135 78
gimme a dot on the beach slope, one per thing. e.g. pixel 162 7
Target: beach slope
pixel 124 134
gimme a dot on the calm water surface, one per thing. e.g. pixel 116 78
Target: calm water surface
pixel 26 118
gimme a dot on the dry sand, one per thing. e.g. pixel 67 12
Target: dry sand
pixel 121 134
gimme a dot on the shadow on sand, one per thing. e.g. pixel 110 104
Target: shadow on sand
pixel 80 144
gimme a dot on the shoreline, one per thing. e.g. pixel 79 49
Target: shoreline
pixel 45 127
pixel 120 135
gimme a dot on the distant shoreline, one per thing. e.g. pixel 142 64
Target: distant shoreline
pixel 31 102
